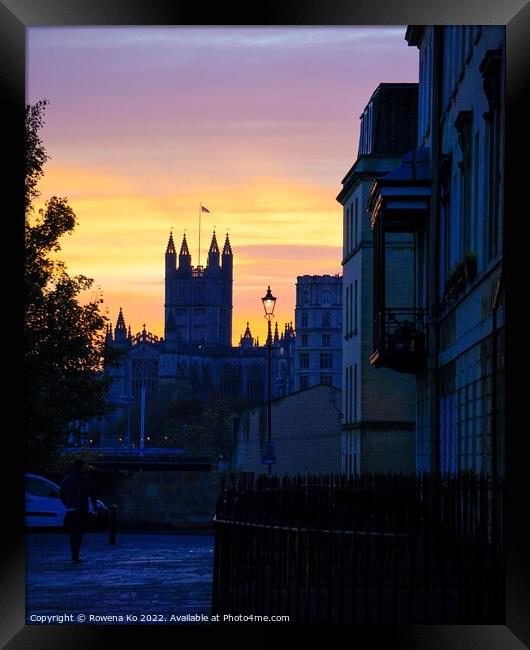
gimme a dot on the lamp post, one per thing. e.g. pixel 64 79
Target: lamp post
pixel 269 302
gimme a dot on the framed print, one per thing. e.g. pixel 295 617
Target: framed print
pixel 422 207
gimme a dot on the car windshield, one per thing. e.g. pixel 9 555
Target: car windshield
pixel 40 488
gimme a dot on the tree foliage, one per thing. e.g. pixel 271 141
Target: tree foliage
pixel 209 432
pixel 64 346
pixel 177 417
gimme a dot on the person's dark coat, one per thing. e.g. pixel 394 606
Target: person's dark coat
pixel 76 490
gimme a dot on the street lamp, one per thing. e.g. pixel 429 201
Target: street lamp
pixel 269 302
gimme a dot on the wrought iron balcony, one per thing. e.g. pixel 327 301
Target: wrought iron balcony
pixel 400 341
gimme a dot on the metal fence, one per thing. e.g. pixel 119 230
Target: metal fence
pixel 404 549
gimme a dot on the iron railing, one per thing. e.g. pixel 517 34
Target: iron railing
pixel 367 549
pixel 405 329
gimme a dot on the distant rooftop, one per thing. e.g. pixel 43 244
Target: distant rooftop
pixel 320 278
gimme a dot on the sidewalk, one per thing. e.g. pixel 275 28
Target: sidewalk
pixel 147 573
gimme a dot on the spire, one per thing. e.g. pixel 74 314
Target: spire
pixel 227 248
pixel 184 250
pixel 108 333
pixel 120 331
pixel 184 267
pixel 170 245
pixel 120 323
pixel 246 341
pixel 214 248
pixel 213 255
pixel 276 337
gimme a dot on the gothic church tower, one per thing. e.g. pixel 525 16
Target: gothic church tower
pixel 198 302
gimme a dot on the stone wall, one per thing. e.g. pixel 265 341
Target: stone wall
pixel 305 432
pixel 166 499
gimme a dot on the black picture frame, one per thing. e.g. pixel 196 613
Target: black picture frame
pixel 16 15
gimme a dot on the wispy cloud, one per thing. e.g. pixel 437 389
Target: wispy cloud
pixel 267 38
pixel 258 123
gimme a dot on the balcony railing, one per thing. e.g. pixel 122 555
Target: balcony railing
pixel 400 339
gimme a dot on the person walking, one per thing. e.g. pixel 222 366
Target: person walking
pixel 76 490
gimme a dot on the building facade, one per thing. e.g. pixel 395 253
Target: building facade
pixel 305 431
pixel 195 352
pixel 447 195
pixel 318 323
pixel 378 430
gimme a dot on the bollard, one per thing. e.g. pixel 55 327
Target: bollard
pixel 112 524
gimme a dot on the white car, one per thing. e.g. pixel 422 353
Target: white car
pixel 44 507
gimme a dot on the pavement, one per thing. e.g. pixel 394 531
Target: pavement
pixel 157 577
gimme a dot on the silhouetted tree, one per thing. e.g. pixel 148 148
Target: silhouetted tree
pixel 64 346
pixel 209 430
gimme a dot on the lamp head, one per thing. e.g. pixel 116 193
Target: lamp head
pixel 269 302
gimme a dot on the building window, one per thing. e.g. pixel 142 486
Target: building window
pixel 144 374
pixel 444 173
pixel 325 298
pixel 326 340
pixel 326 380
pixel 304 340
pixel 490 69
pixel 349 395
pixel 304 381
pixel 350 311
pixel 198 333
pixel 305 298
pixel 347 320
pixel 476 185
pixel 354 392
pixel 356 217
pixel 326 319
pixel 345 383
pixel 463 126
pixel 352 234
pixel 326 360
pixel 199 311
pixel 255 384
pixel 182 334
pixel 347 231
pixel 355 308
pixel 229 383
pixel 304 360
pixel 303 319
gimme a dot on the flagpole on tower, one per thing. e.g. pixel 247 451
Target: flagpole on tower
pixel 200 212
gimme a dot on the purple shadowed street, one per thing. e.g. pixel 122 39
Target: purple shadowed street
pixel 149 575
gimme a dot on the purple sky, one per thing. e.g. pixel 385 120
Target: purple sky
pixel 260 124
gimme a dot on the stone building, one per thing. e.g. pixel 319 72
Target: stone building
pixel 198 307
pixel 318 323
pixel 378 429
pixel 305 430
pixel 447 197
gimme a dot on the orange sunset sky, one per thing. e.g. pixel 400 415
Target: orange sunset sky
pixel 260 124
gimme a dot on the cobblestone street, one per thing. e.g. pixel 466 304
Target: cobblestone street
pixel 142 574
